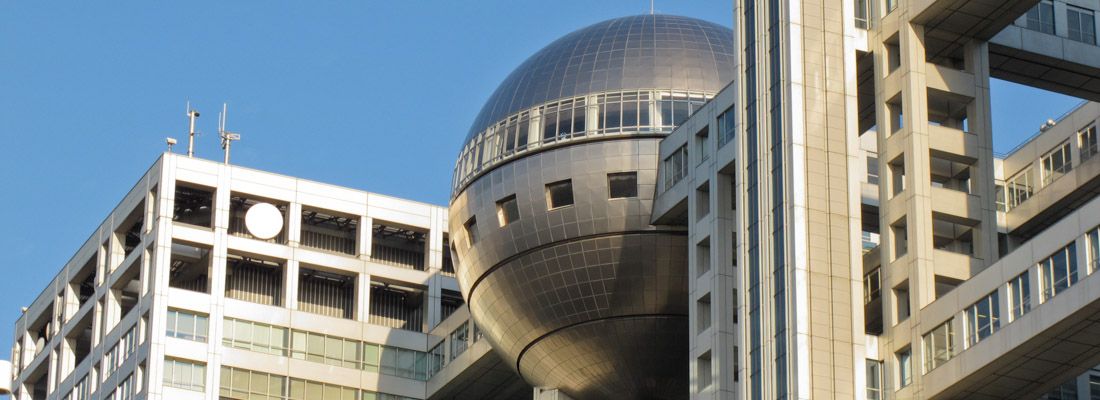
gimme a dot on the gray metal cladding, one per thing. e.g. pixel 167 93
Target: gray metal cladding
pixel 637 52
pixel 588 298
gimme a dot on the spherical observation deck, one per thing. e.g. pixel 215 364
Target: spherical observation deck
pixel 551 206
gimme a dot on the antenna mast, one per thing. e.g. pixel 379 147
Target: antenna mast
pixel 191 114
pixel 227 136
pixel 650 7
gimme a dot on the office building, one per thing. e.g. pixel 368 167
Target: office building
pixel 214 281
pixel 807 206
pixel 851 232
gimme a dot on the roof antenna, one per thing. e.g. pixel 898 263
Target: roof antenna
pixel 650 7
pixel 191 114
pixel 227 136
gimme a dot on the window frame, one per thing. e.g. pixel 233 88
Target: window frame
pixel 979 326
pixel 905 367
pixel 1087 142
pixel 507 210
pixel 938 345
pixel 1079 30
pixel 552 191
pixel 632 193
pixel 1049 170
pixel 1019 295
pixel 1049 270
pixel 1040 18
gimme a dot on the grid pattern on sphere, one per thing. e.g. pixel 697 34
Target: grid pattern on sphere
pixel 638 52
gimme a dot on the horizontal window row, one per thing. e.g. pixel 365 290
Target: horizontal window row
pixel 1052 165
pixel 652 111
pixel 330 231
pixel 1056 274
pixel 239 383
pixel 325 349
pixel 322 291
pixel 1080 22
pixel 620 185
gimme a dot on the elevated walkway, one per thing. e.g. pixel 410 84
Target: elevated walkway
pixel 1057 339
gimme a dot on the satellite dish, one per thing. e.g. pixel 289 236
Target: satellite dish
pixel 5 377
pixel 263 221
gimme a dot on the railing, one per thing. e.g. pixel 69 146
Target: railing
pixel 397 257
pixel 328 241
pixel 391 308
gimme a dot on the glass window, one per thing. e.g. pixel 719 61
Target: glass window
pixel 1059 271
pixel 1086 141
pixel 939 346
pixel 261 338
pixel 1019 295
pixel 507 210
pixel 872 289
pixel 675 167
pixel 622 185
pixel 1056 163
pixel 184 375
pixel 1020 187
pixel 999 194
pixel 874 379
pixel 905 367
pixel 1093 239
pixel 388 363
pixel 727 129
pixel 372 355
pixel 459 339
pixel 1041 17
pixel 1066 391
pixel 560 194
pixel 872 169
pixel 982 319
pixel 187 326
pixel 862 13
pixel 611 113
pixel 702 144
pixel 549 123
pixel 436 359
pixel 1081 24
pixel 471 231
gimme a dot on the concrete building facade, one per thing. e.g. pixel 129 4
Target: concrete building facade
pixel 188 292
pixel 826 219
pixel 851 232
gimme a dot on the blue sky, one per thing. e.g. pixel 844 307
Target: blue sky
pixel 367 94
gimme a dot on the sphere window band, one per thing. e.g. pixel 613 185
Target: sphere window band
pixel 623 112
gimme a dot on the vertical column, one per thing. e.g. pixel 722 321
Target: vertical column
pixel 983 182
pixel 294 224
pixel 159 268
pixel 218 256
pixel 290 290
pixel 917 195
pixel 362 298
pixel 365 237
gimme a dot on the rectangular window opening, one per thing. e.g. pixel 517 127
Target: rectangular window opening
pixel 329 231
pixel 622 185
pixel 190 267
pixel 507 210
pixel 398 245
pixel 559 194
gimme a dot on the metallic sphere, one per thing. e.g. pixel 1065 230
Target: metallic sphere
pixel 550 211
